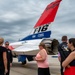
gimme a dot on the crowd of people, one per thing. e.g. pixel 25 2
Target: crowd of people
pixel 66 56
pixel 5 58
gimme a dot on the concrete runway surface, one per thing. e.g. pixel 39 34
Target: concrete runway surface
pixel 31 67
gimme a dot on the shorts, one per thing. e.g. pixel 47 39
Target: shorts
pixel 43 71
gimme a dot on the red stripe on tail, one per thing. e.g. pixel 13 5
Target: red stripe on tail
pixel 48 14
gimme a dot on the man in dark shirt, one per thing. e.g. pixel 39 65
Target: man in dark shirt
pixel 3 58
pixel 63 51
pixel 9 57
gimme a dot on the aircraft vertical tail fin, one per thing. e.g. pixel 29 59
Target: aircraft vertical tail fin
pixel 41 27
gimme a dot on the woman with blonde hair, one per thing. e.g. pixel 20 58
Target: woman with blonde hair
pixel 69 62
pixel 42 62
pixel 3 58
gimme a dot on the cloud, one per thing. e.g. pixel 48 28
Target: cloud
pixel 18 17
pixel 9 17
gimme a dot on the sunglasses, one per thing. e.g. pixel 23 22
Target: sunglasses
pixel 6 44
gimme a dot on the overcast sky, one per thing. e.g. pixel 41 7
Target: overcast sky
pixel 18 17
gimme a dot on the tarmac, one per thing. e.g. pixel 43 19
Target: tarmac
pixel 31 67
